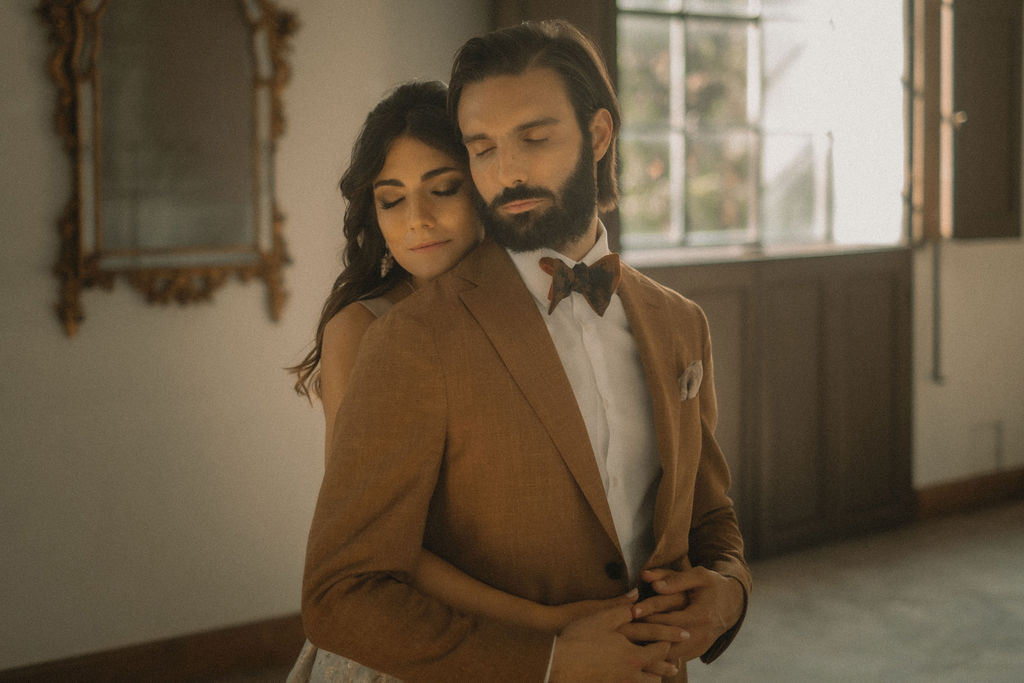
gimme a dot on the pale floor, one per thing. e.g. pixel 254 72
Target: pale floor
pixel 937 601
pixel 940 600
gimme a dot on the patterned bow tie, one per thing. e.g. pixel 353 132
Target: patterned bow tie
pixel 596 283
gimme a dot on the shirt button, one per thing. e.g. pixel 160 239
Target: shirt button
pixel 614 570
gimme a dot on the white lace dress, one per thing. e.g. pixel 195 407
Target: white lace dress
pixel 320 666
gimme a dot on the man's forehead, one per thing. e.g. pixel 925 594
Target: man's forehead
pixel 504 102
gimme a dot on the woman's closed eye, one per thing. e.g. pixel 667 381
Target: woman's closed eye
pixel 385 204
pixel 449 189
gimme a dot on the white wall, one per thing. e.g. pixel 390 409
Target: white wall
pixel 973 422
pixel 157 473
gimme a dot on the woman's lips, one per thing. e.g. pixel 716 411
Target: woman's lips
pixel 427 246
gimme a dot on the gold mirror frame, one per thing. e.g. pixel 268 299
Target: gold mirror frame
pixel 75 34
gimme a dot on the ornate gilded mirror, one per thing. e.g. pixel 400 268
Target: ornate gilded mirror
pixel 170 111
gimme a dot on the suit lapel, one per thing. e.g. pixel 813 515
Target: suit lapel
pixel 496 297
pixel 652 332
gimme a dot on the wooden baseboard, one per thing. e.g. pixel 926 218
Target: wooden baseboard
pixel 270 644
pixel 970 494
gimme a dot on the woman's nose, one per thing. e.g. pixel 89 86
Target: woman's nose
pixel 421 213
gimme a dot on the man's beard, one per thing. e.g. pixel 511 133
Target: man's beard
pixel 565 221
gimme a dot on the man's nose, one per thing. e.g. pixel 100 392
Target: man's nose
pixel 511 168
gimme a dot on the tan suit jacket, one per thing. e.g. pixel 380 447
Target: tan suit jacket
pixel 460 433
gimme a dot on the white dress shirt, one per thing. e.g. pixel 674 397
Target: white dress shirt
pixel 603 365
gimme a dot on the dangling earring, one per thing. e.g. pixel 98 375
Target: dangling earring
pixel 386 262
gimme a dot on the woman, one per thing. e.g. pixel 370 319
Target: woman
pixel 410 218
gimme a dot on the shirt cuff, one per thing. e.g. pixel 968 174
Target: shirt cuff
pixel 551 659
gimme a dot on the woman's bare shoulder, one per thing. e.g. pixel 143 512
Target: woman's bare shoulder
pixel 347 326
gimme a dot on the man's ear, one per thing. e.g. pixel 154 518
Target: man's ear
pixel 600 133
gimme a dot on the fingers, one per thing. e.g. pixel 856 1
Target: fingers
pixel 662 669
pixel 655 663
pixel 627 600
pixel 660 603
pixel 651 575
pixel 612 618
pixel 666 581
pixel 641 632
pixel 686 651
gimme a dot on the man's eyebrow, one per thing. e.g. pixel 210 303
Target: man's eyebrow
pixel 473 138
pixel 432 173
pixel 535 123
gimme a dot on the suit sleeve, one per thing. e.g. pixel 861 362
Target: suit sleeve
pixel 367 532
pixel 715 540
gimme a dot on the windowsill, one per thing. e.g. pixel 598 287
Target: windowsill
pixel 688 256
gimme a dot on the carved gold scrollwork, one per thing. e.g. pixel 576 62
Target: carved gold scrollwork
pixel 180 271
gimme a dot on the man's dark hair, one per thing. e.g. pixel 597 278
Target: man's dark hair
pixel 561 47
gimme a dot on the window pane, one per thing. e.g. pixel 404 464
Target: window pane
pixel 728 8
pixel 656 5
pixel 805 10
pixel 716 74
pixel 719 188
pixel 796 65
pixel 647 70
pixel 651 191
pixel 794 188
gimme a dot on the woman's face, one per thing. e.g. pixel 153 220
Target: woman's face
pixel 424 207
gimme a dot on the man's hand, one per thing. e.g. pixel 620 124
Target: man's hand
pixel 592 649
pixel 699 601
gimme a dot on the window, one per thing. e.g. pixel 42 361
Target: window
pixel 761 122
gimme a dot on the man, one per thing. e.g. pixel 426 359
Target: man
pixel 556 443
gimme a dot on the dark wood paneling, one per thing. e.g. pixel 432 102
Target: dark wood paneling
pixel 987 88
pixel 870 402
pixel 815 354
pixel 792 473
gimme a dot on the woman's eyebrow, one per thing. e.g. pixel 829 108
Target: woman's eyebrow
pixel 438 171
pixel 432 173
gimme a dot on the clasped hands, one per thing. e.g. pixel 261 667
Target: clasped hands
pixel 690 611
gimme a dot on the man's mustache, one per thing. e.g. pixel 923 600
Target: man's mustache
pixel 519 193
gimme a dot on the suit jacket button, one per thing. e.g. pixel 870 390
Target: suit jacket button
pixel 614 570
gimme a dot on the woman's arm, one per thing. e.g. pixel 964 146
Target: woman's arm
pixel 342 336
pixel 452 586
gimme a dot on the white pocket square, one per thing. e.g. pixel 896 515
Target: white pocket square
pixel 689 382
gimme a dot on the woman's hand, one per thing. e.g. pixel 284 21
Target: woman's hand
pixel 554 618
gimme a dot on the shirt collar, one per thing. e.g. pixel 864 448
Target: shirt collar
pixel 539 282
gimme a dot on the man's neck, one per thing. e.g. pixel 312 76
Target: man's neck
pixel 578 248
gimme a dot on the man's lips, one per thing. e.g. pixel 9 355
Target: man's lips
pixel 521 205
pixel 427 246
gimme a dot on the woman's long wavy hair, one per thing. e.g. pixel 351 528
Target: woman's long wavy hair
pixel 416 110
